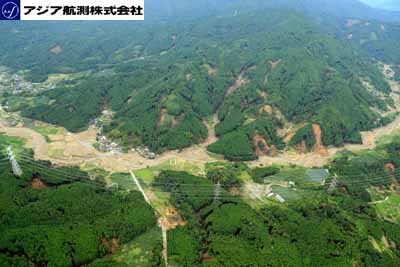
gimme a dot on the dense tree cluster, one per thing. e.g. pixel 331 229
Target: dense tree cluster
pixel 50 221
pixel 239 145
pixel 258 174
pixel 165 79
pixel 227 174
pixel 377 167
pixel 305 134
pixel 327 230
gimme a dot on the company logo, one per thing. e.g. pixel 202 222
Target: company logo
pixel 10 10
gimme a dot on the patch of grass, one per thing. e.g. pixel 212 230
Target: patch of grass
pixel 15 142
pixel 139 252
pixel 46 131
pixel 124 180
pixel 390 208
pixel 386 139
pixel 56 152
pixel 245 176
pixel 215 156
pixel 296 174
pixel 94 170
pixel 148 174
pixel 286 193
pixel 318 175
pixel 97 146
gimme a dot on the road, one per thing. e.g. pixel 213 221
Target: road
pixel 160 219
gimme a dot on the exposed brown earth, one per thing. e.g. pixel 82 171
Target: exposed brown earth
pixel 375 244
pixel 210 70
pixel 263 94
pixel 173 219
pixel 239 81
pixel 212 137
pixel 319 146
pixel 289 135
pixel 385 241
pixel 78 148
pixel 266 108
pixel 234 189
pixel 163 116
pixel 38 184
pixel 112 245
pixel 302 147
pixel 274 64
pixel 105 103
pixel 56 50
pixel 267 150
pixel 391 168
pixel 205 257
pixel 257 140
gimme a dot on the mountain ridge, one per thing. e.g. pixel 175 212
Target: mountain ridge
pixel 163 84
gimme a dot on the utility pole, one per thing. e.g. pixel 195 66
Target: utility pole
pixel 14 163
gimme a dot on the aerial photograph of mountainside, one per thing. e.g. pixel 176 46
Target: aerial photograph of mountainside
pixel 213 133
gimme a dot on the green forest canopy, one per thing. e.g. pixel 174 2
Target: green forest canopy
pixel 48 220
pixel 164 78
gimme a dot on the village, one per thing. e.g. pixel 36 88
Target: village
pixel 15 83
pixel 104 144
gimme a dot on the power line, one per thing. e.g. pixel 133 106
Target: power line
pixel 46 168
pixel 202 187
pixel 212 185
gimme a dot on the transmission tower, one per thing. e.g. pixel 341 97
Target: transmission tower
pixel 14 163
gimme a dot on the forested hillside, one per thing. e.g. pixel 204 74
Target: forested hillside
pixel 259 67
pixel 48 220
pixel 354 224
pixel 322 230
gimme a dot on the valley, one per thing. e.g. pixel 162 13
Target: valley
pixel 229 133
pixel 69 149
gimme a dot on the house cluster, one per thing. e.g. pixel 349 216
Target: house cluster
pixel 105 145
pixel 144 152
pixel 104 119
pixel 15 84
